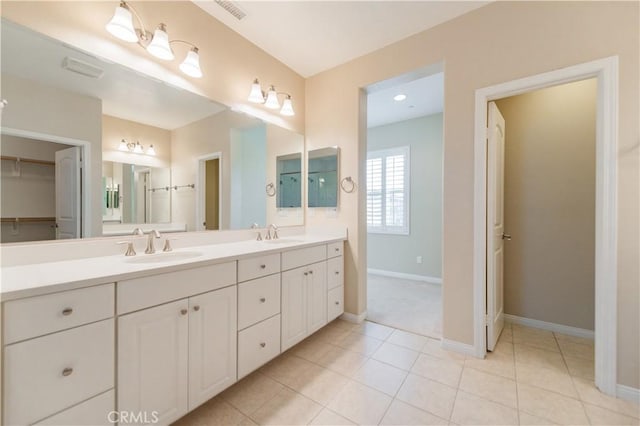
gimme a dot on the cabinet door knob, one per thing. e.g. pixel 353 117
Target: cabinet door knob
pixel 263 344
pixel 337 249
pixel 306 273
pixel 337 272
pixel 196 308
pixel 183 312
pixel 311 272
pixel 263 299
pixel 263 266
pixel 67 311
pixel 67 371
pixel 337 303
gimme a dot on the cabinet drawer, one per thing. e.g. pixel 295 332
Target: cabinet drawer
pixel 92 412
pixel 256 267
pixel 154 290
pixel 36 316
pixel 258 300
pixel 335 272
pixel 300 257
pixel 335 303
pixel 48 374
pixel 335 249
pixel 257 345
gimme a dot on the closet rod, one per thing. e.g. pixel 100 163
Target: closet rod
pixel 27 160
pixel 27 219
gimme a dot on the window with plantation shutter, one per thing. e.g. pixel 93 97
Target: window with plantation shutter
pixel 388 191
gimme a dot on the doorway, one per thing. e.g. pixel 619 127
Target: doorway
pixel 209 192
pixel 404 203
pixel 605 72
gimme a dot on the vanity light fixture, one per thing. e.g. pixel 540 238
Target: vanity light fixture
pixel 157 44
pixel 135 147
pixel 270 100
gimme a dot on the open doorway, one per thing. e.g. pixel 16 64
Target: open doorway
pixel 404 203
pixel 488 298
pixel 42 190
pixel 209 192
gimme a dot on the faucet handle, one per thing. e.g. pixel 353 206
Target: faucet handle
pixel 167 244
pixel 275 234
pixel 130 250
pixel 138 231
pixel 259 238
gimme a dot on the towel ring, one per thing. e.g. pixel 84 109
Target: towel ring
pixel 271 189
pixel 348 185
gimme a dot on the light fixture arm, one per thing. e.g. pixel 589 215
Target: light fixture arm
pixel 142 29
pixel 184 42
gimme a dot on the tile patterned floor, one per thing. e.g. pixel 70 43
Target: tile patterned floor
pixel 371 374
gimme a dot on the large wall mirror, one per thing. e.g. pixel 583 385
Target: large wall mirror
pixel 153 154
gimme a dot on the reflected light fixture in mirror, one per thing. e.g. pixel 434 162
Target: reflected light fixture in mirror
pixel 121 26
pixel 136 148
pixel 270 100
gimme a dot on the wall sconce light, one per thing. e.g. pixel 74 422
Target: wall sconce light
pixel 136 148
pixel 157 44
pixel 270 99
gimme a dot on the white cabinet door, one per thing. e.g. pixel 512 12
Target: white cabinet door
pixel 212 344
pixel 317 296
pixel 152 362
pixel 294 306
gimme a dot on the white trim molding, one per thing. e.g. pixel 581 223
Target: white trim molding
pixel 404 276
pixel 459 347
pixel 628 393
pixel 550 326
pixel 356 319
pixel 606 72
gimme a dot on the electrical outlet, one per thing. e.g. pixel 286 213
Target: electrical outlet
pixel 419 259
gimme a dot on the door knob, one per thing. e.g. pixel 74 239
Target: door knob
pixel 506 237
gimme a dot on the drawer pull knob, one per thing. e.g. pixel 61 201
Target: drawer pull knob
pixel 337 303
pixel 263 344
pixel 67 371
pixel 337 272
pixel 67 311
pixel 196 308
pixel 263 299
pixel 311 272
pixel 183 312
pixel 337 249
pixel 306 273
pixel 263 266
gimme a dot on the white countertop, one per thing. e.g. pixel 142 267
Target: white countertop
pixel 42 278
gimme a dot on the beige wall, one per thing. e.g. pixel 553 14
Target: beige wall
pixel 115 129
pixel 496 43
pixel 549 204
pixel 42 109
pixel 228 61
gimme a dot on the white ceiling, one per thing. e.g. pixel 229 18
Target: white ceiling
pixel 125 94
pixel 313 36
pixel 425 96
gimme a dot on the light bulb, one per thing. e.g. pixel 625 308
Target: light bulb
pixel 159 46
pixel 256 95
pixel 123 146
pixel 272 99
pixel 121 25
pixel 191 64
pixel 151 151
pixel 287 107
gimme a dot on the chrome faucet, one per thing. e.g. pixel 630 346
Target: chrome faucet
pixel 255 226
pixel 150 247
pixel 270 236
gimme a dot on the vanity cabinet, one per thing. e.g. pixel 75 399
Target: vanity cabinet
pixel 304 294
pixel 176 356
pixel 58 352
pixel 335 281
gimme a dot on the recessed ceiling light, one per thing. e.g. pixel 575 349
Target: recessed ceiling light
pixel 399 98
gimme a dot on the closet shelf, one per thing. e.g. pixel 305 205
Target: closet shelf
pixel 27 160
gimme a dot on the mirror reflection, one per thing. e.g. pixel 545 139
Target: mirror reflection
pixel 137 135
pixel 289 176
pixel 323 177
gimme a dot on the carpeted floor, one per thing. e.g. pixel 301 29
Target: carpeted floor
pixel 405 304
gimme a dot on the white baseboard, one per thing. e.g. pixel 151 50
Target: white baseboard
pixel 558 328
pixel 402 275
pixel 461 348
pixel 628 393
pixel 356 319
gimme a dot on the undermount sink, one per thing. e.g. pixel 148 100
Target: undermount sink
pixel 283 241
pixel 162 257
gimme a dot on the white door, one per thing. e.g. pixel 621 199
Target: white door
pixel 495 225
pixel 212 344
pixel 68 190
pixel 152 362
pixel 294 306
pixel 317 300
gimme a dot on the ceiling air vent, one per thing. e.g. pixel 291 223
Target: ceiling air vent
pixel 81 67
pixel 232 8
